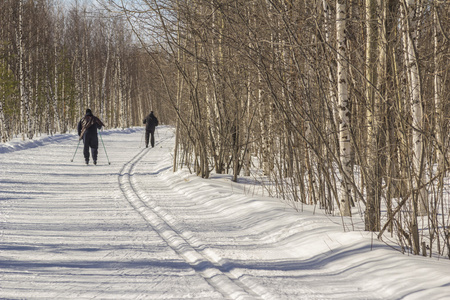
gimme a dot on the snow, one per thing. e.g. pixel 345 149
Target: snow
pixel 134 229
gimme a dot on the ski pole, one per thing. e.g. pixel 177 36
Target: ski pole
pixel 79 140
pixel 104 148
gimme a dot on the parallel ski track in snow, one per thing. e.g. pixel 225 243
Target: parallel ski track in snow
pixel 230 283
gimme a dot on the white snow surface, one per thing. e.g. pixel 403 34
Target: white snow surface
pixel 134 229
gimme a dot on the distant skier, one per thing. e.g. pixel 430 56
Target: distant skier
pixel 151 122
pixel 87 130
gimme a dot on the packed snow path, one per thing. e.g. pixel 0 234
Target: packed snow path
pixel 135 230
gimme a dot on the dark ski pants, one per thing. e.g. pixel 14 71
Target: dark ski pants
pixel 90 142
pixel 150 133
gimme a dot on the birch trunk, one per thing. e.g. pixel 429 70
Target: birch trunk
pixel 25 124
pixel 86 61
pixel 212 98
pixel 439 112
pixel 266 114
pixel 414 229
pixel 250 101
pixel 122 103
pixel 416 111
pixel 55 81
pixel 105 73
pixel 439 123
pixel 331 120
pixel 287 92
pixel 77 69
pixel 390 121
pixel 179 92
pixel 248 144
pixel 372 214
pixel 3 133
pixel 115 108
pixel 344 112
pixel 4 70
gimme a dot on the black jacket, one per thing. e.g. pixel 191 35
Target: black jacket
pixel 150 122
pixel 88 125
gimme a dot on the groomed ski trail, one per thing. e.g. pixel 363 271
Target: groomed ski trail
pixel 231 283
pixel 67 232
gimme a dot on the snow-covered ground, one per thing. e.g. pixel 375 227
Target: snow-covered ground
pixel 136 230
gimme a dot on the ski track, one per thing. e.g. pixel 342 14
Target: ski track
pixel 66 232
pixel 230 283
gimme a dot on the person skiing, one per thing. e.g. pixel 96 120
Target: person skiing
pixel 87 130
pixel 150 123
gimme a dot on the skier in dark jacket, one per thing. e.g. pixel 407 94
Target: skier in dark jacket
pixel 87 130
pixel 150 123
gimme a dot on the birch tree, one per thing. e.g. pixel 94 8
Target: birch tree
pixel 438 101
pixel 25 118
pixel 344 112
pixel 372 214
pixel 420 196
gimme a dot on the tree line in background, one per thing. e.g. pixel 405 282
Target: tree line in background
pixel 57 59
pixel 341 104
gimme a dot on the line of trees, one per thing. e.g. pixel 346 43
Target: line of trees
pixel 342 104
pixel 58 59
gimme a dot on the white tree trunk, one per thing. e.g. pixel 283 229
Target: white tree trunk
pixel 331 90
pixel 3 136
pixel 266 107
pixel 179 93
pixel 77 69
pixel 105 73
pixel 86 60
pixel 24 95
pixel 437 98
pixel 344 113
pixel 122 102
pixel 55 82
pixel 416 111
pixel 4 70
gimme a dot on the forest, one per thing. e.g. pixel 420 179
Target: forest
pixel 339 104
